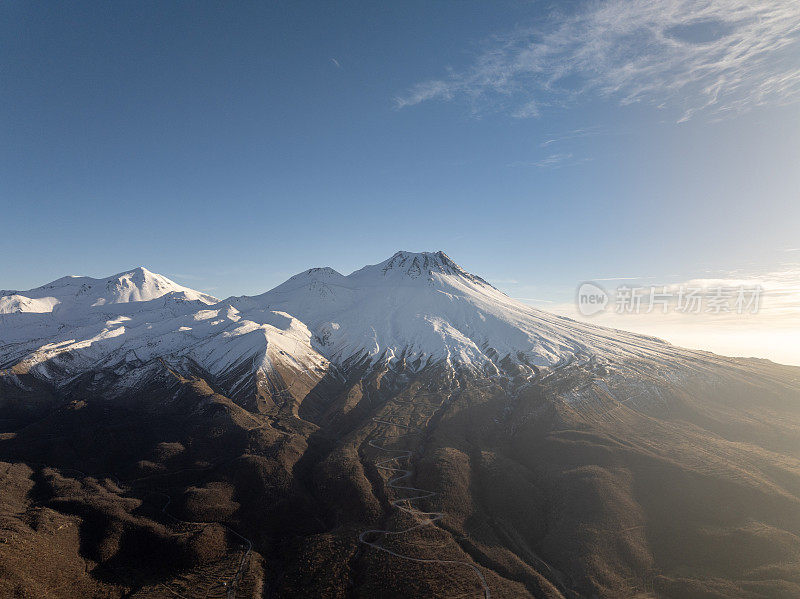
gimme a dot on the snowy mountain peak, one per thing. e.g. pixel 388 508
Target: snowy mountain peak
pixel 75 292
pixel 313 282
pixel 415 263
pixel 141 284
pixel 140 273
pixel 423 266
pixel 320 273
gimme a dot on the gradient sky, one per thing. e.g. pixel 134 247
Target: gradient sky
pixel 540 144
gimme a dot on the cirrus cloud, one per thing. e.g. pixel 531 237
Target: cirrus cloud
pixel 717 57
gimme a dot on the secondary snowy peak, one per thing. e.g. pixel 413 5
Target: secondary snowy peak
pixel 311 279
pixel 75 293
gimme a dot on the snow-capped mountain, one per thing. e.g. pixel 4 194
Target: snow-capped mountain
pixel 418 309
pixel 151 319
pixel 405 422
pixel 73 293
pixel 423 307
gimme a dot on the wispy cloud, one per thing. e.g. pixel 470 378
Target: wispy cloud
pixel 526 111
pixel 719 57
pixel 623 279
pixel 552 161
pixel 554 138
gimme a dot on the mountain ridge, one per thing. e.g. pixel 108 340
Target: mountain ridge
pixel 419 308
pixel 71 291
pixel 403 431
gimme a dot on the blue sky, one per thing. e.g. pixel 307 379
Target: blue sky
pixel 540 144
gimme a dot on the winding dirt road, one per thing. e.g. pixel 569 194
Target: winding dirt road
pixel 405 503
